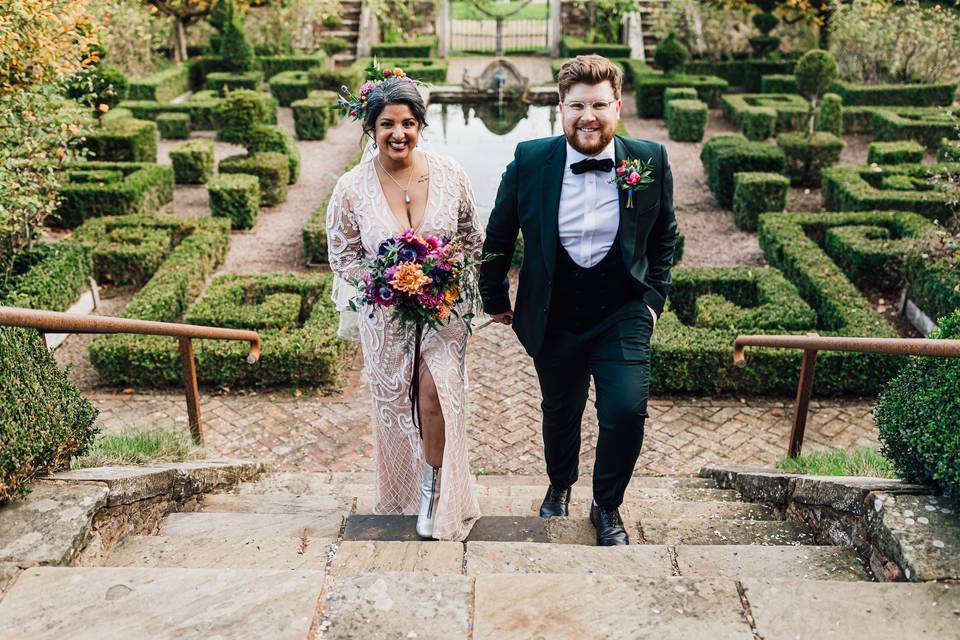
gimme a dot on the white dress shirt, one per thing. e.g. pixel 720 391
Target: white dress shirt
pixel 589 215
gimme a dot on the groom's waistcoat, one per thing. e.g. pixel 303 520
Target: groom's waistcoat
pixel 584 296
pixel 528 202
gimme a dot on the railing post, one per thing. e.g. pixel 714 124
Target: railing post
pixel 190 387
pixel 802 402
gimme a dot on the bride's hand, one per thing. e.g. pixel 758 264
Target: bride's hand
pixel 503 318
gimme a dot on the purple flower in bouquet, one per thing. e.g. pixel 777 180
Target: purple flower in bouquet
pixel 408 253
pixel 441 274
pixel 385 296
pixel 385 246
pixel 431 301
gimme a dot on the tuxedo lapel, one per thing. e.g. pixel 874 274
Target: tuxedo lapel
pixel 551 181
pixel 628 217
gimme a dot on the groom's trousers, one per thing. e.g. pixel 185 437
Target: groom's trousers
pixel 616 352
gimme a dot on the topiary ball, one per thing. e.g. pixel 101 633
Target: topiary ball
pixel 670 54
pixel 816 70
pixel 765 22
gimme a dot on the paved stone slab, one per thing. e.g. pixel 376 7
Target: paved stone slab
pixel 765 486
pixel 854 610
pixel 579 530
pixel 484 558
pixel 317 484
pixel 846 493
pixel 396 605
pixel 692 494
pixel 489 505
pixel 683 509
pixel 126 484
pixel 211 475
pixel 737 561
pixel 7 573
pixel 725 475
pixel 921 533
pixel 357 558
pixel 51 524
pixel 379 527
pixel 227 553
pixel 510 529
pixel 118 603
pixel 251 525
pixel 724 532
pixel 230 503
pixel 566 607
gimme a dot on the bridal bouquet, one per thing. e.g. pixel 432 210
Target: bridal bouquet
pixel 422 279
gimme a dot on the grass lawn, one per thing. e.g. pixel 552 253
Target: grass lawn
pixel 139 447
pixel 467 11
pixel 859 462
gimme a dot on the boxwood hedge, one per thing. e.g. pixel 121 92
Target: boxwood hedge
pixel 271 168
pixel 174 126
pixel 686 120
pixel 948 151
pixel 755 193
pixel 792 110
pixel 940 94
pixel 315 247
pixel 143 187
pixel 650 89
pixel 933 283
pixel 49 276
pixel 900 152
pixel 124 140
pixel 866 188
pixel 235 196
pixel 806 156
pixel 725 155
pixel 778 83
pixel 193 161
pixel 272 65
pixel 161 86
pixel 573 46
pixel 430 70
pixel 928 128
pixel 127 254
pixel 289 86
pixel 223 82
pixel 313 115
pixel 677 93
pixel 421 47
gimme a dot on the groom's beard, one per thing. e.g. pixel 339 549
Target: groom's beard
pixel 590 144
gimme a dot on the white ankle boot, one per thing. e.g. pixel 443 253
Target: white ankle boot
pixel 429 497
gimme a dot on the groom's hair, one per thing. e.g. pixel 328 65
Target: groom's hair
pixel 591 69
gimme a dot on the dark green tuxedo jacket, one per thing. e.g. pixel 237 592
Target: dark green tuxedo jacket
pixel 528 201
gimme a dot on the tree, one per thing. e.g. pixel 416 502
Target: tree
pixel 814 12
pixel 815 72
pixel 185 13
pixel 670 54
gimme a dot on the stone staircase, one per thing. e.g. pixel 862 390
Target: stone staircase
pixel 349 30
pixel 301 555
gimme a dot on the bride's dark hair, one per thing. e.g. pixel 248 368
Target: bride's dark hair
pixel 393 90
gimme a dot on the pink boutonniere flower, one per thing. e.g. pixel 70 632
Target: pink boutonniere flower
pixel 633 175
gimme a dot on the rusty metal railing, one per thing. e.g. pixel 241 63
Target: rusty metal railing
pixel 55 322
pixel 812 343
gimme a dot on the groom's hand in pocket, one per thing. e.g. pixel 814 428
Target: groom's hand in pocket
pixel 503 318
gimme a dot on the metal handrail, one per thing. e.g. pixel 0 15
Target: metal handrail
pixel 812 343
pixel 54 321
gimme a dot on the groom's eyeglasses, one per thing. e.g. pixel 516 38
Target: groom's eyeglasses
pixel 600 106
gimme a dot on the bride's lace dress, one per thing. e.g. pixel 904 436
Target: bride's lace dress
pixel 358 220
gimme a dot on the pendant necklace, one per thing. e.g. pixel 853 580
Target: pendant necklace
pixel 406 195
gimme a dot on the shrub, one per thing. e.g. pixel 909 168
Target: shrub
pixel 670 54
pixel 422 47
pixel 312 116
pixel 861 119
pixel 125 254
pixel 815 72
pixel 224 82
pixel 243 109
pixel 905 95
pixel 573 46
pixel 650 89
pixel 934 283
pixel 272 169
pixel 860 188
pixel 235 196
pixel 949 150
pixel 333 45
pixel 143 188
pixel 272 137
pixel 687 120
pixel 192 161
pixel 162 86
pixel 755 69
pixel 917 417
pixel 677 93
pixel 871 255
pixel 174 126
pixel 758 123
pixel 778 83
pixel 274 64
pixel 903 152
pixel 755 193
pixel 234 48
pixel 806 156
pixel 201 109
pixel 724 156
pixel 422 69
pixel 927 128
pixel 831 115
pixel 289 86
pixel 315 231
pixel 792 111
pixel 333 79
pixel 48 276
pixel 97 85
pixel 43 417
pixel 127 140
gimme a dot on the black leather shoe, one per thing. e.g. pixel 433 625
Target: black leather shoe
pixel 610 531
pixel 555 503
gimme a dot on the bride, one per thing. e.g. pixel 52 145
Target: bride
pixel 400 187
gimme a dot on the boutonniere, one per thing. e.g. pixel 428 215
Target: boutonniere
pixel 633 175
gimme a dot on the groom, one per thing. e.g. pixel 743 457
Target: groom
pixel 595 275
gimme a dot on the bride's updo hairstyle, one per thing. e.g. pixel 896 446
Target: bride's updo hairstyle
pixel 393 90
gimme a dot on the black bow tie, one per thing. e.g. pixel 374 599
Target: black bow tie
pixel 591 164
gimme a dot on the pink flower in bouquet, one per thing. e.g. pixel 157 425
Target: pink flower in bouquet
pixel 433 246
pixel 384 296
pixel 621 170
pixel 431 301
pixel 409 278
pixel 633 178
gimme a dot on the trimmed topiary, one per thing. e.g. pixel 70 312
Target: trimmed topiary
pixel 807 155
pixel 686 120
pixel 312 116
pixel 778 83
pixel 332 79
pixel 237 54
pixel 725 155
pixel 815 72
pixel 917 417
pixel 126 140
pixel 48 276
pixel 758 123
pixel 272 169
pixel 651 87
pixel 235 196
pixel 193 161
pixel 224 82
pixel 174 126
pixel 289 86
pixel 243 109
pixel 901 152
pixel 143 187
pixel 868 188
pixel 948 150
pixel 670 54
pixel 272 137
pixel 677 93
pixel 831 114
pixel 755 193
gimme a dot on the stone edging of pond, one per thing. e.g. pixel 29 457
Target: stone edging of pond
pixel 901 531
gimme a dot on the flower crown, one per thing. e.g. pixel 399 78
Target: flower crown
pixel 355 106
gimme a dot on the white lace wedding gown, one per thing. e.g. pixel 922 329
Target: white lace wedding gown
pixel 358 220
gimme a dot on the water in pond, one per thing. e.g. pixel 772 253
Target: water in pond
pixel 482 139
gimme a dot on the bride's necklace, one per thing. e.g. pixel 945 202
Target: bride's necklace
pixel 406 189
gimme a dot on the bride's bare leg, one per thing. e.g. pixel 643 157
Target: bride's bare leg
pixel 431 419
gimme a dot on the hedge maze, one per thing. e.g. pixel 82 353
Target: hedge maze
pixel 93 189
pixel 904 187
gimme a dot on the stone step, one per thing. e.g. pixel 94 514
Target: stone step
pixel 760 561
pixel 227 553
pixel 303 504
pixel 712 532
pixel 252 525
pixel 99 603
